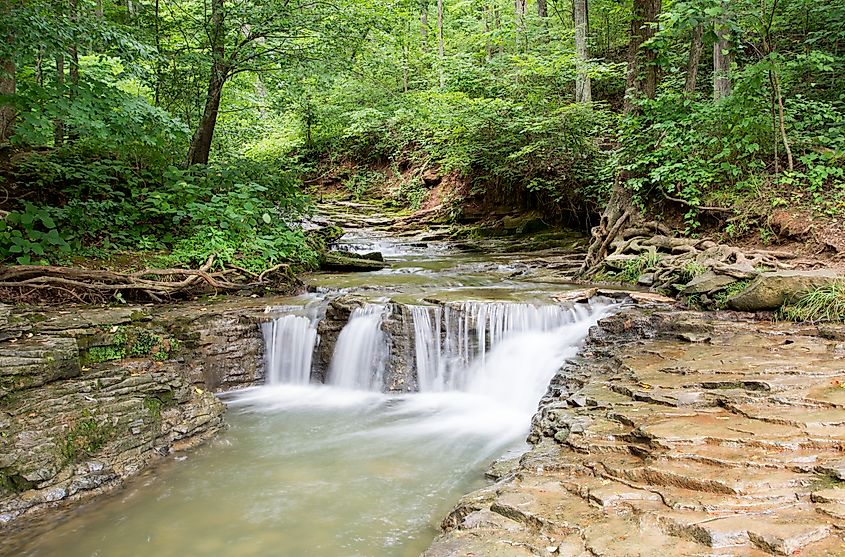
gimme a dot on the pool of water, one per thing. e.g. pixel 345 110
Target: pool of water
pixel 302 471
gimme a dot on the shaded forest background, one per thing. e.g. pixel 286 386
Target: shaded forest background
pixel 166 131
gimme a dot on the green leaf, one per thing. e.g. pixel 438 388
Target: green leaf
pixel 266 218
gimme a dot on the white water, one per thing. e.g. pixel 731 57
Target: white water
pixel 361 351
pixel 495 347
pixel 289 342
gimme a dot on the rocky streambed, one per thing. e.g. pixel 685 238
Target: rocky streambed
pixel 675 433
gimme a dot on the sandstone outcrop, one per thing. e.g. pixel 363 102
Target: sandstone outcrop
pixel 675 434
pixel 88 397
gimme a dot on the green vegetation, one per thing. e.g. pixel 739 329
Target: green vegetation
pixel 822 304
pixel 721 299
pixel 133 343
pixel 147 135
pixel 84 438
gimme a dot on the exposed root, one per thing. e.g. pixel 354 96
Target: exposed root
pixel 25 282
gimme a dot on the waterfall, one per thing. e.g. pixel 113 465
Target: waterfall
pixel 361 352
pixel 289 342
pixel 502 350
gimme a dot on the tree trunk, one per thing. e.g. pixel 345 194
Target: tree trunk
pixel 8 87
pixel 695 49
pixel 721 62
pixel 641 80
pixel 58 123
pixel 542 8
pixel 583 93
pixel 201 142
pixel 441 49
pixel 424 25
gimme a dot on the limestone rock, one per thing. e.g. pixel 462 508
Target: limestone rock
pixel 707 282
pixel 338 261
pixel 770 290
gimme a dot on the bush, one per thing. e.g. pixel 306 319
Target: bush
pixel 87 204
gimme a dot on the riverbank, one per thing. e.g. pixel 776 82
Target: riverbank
pixel 675 433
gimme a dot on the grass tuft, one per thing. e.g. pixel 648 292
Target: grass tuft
pixel 826 303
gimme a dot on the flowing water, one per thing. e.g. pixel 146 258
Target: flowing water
pixel 343 470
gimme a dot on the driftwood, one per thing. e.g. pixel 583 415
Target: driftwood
pixel 22 282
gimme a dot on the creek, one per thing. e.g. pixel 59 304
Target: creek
pixel 342 469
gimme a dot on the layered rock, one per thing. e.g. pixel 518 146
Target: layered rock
pixel 90 397
pixel 675 434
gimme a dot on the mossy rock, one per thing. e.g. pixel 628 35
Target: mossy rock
pixel 345 262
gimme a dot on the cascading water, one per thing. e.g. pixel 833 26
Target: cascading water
pixel 289 342
pixel 501 349
pixel 361 351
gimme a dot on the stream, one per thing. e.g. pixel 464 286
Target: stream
pixel 342 469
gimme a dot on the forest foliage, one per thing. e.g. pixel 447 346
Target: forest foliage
pixel 183 128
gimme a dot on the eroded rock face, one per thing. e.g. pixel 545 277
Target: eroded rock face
pixel 90 397
pixel 676 434
pixel 400 372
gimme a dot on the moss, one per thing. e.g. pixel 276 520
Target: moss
pixel 12 482
pixel 721 298
pixel 86 437
pixel 155 404
pixel 143 343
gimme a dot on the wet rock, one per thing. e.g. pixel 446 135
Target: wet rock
pixel 90 397
pixel 400 374
pixel 769 291
pixel 337 261
pixel 677 433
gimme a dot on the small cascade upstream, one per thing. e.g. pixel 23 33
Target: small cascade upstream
pixel 290 342
pixel 361 352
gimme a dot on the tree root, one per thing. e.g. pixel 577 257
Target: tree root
pixel 25 282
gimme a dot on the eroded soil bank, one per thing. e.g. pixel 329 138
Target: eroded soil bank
pixel 675 433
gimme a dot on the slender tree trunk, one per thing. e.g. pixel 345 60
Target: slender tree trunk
pixel 641 82
pixel 786 146
pixel 583 92
pixel 722 58
pixel 695 49
pixel 159 77
pixel 201 143
pixel 641 79
pixel 8 87
pixel 424 25
pixel 441 49
pixel 74 49
pixel 488 16
pixel 58 123
pixel 542 8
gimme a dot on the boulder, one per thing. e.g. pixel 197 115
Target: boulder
pixel 770 290
pixel 707 282
pixel 373 256
pixel 348 262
